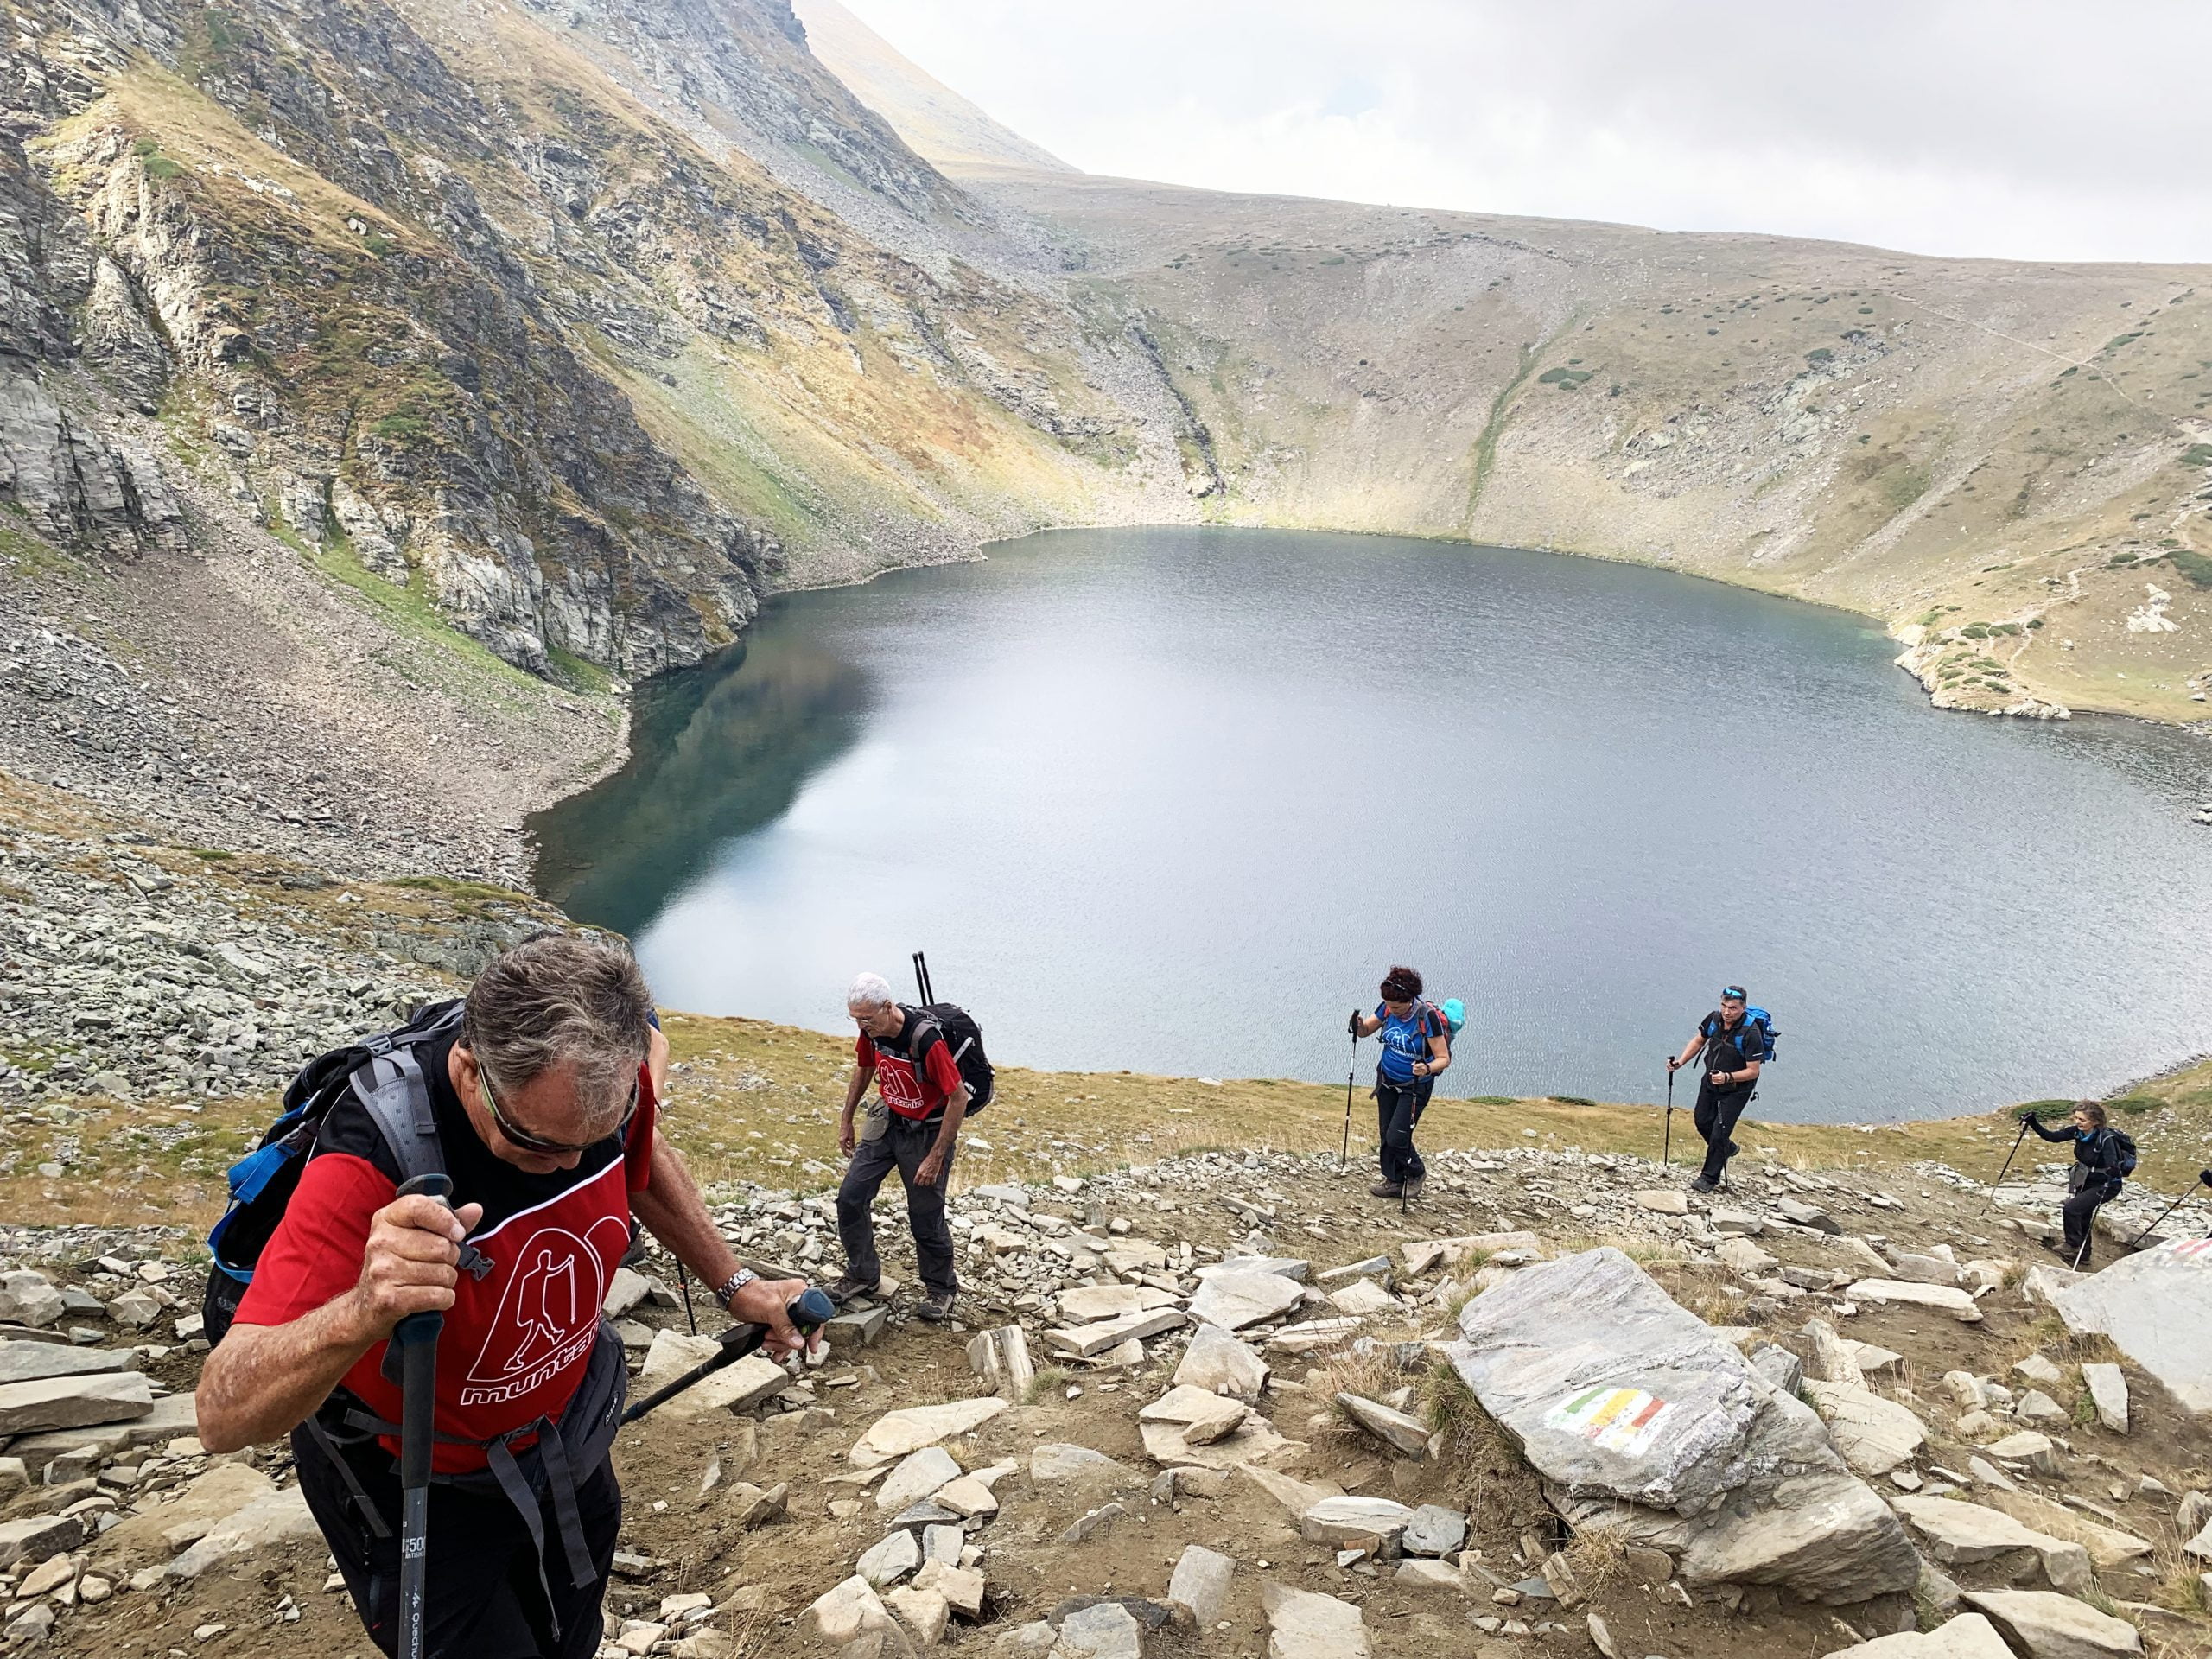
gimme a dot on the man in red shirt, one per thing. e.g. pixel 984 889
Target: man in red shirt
pixel 542 1096
pixel 923 1101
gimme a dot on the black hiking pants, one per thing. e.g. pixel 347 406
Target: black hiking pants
pixel 485 1600
pixel 902 1145
pixel 1398 1107
pixel 2079 1213
pixel 1715 1117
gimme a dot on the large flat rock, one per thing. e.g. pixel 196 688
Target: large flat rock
pixel 896 1434
pixel 1636 1413
pixel 1947 1299
pixel 1966 1533
pixel 2108 1547
pixel 1305 1624
pixel 2156 1306
pixel 1874 1435
pixel 1234 1301
pixel 32 1362
pixel 1969 1635
pixel 2042 1626
pixel 280 1518
pixel 1220 1363
pixel 1088 1304
pixel 73 1401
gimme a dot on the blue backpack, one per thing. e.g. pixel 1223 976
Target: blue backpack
pixel 1756 1034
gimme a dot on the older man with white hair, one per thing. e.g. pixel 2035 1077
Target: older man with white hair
pixel 912 1128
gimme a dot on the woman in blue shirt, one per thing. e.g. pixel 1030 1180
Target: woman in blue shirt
pixel 1416 1047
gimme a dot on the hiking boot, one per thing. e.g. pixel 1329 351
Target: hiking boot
pixel 850 1289
pixel 936 1306
pixel 1386 1190
pixel 1703 1184
pixel 1408 1191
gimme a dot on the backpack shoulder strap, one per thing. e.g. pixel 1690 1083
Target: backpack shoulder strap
pixel 391 1085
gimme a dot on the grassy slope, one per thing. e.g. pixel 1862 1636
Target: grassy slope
pixel 749 1100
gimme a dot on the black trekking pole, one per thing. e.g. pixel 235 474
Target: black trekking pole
pixel 2204 1179
pixel 922 979
pixel 810 1310
pixel 1667 1139
pixel 1343 1153
pixel 683 1280
pixel 2009 1157
pixel 416 1339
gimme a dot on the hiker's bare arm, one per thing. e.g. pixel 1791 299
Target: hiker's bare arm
pixel 675 1214
pixel 862 1076
pixel 1439 1054
pixel 1689 1052
pixel 1369 1025
pixel 931 1170
pixel 264 1381
pixel 657 1061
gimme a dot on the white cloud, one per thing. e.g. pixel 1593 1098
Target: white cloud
pixel 2030 128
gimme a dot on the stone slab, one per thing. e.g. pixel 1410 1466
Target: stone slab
pixel 2042 1626
pixel 33 1362
pixel 898 1433
pixel 73 1401
pixel 1945 1299
pixel 1218 1362
pixel 1234 1301
pixel 1969 1635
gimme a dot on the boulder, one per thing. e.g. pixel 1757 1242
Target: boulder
pixel 2041 1625
pixel 1925 1269
pixel 1406 1436
pixel 280 1518
pixel 1052 1462
pixel 1372 1523
pixel 896 1434
pixel 1202 1416
pixel 1304 1624
pixel 1665 1201
pixel 1198 1588
pixel 1363 1298
pixel 915 1478
pixel 889 1559
pixel 37 1536
pixel 923 1612
pixel 2043 1285
pixel 2108 1547
pixel 1618 1397
pixel 1218 1362
pixel 845 1613
pixel 1874 1435
pixel 1969 1635
pixel 2157 1306
pixel 1234 1301
pixel 1105 1630
pixel 73 1401
pixel 1834 1359
pixel 2109 1392
pixel 29 1298
pixel 32 1362
pixel 1090 1304
pixel 1434 1530
pixel 1964 1534
pixel 1948 1299
pixel 1082 1341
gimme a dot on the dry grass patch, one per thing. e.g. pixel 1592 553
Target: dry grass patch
pixel 1492 1481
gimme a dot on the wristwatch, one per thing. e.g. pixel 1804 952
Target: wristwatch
pixel 731 1285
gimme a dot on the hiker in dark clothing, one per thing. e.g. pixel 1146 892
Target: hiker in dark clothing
pixel 1733 1048
pixel 921 1104
pixel 1416 1048
pixel 2102 1160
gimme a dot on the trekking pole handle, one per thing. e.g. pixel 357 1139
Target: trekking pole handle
pixel 418 1328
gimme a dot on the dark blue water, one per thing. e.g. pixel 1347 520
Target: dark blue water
pixel 1172 799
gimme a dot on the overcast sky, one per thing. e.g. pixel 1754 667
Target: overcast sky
pixel 2024 129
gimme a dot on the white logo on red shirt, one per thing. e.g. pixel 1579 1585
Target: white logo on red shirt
pixel 548 1317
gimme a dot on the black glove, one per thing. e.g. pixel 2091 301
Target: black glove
pixel 2028 1115
pixel 1352 1024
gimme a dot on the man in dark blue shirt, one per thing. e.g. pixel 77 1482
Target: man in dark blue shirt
pixel 1734 1048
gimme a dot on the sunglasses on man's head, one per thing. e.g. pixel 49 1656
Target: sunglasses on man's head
pixel 538 1143
pixel 1731 994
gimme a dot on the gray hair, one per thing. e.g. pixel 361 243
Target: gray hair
pixel 870 991
pixel 557 1000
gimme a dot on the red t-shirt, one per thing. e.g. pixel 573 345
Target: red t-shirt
pixel 906 1090
pixel 515 1342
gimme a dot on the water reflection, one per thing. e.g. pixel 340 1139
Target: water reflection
pixel 717 752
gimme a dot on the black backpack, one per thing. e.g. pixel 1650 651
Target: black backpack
pixel 948 1022
pixel 384 1073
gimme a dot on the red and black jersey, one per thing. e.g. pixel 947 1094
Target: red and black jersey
pixel 913 1085
pixel 515 1342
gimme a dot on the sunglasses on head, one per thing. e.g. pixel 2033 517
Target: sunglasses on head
pixel 1732 994
pixel 538 1143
